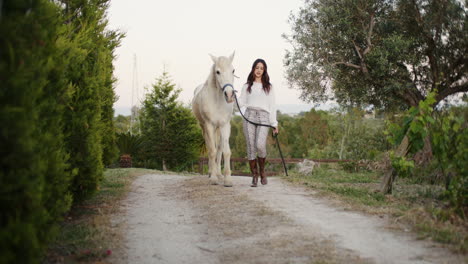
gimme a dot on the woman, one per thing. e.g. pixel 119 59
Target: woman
pixel 257 102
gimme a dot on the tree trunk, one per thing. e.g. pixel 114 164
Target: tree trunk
pixel 164 165
pixel 387 182
pixel 424 156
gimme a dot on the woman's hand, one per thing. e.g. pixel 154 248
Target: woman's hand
pixel 275 131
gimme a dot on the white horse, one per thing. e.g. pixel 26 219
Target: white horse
pixel 212 105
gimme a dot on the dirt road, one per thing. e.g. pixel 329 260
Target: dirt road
pixel 183 219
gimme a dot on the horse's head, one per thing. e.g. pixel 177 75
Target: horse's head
pixel 224 76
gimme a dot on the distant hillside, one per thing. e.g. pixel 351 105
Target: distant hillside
pixel 125 111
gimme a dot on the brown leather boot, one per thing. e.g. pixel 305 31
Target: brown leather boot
pixel 253 169
pixel 261 165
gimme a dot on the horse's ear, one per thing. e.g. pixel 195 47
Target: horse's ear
pixel 214 58
pixel 232 56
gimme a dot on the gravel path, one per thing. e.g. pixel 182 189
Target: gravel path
pixel 182 219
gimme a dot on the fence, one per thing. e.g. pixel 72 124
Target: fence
pixel 204 161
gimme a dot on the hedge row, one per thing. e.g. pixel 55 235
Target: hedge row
pixel 56 97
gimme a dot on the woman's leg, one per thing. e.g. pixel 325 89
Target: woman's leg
pixel 262 134
pixel 250 135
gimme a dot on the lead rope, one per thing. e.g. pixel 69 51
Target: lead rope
pixel 275 136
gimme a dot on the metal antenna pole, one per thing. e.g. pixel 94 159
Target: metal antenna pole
pixel 137 90
pixel 134 89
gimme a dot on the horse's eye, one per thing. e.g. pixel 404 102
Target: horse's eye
pixel 233 71
pixel 217 72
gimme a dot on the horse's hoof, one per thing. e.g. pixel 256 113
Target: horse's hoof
pixel 213 182
pixel 227 183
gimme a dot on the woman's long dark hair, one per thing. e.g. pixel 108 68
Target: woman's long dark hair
pixel 265 78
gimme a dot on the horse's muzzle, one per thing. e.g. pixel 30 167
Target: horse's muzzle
pixel 229 96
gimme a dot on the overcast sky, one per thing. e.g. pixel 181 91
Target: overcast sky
pixel 179 35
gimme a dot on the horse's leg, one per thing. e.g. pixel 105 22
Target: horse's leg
pixel 210 146
pixel 225 133
pixel 219 152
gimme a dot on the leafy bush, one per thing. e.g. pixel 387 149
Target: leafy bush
pixel 403 166
pixel 449 142
pixel 129 143
pixel 351 166
pixel 450 145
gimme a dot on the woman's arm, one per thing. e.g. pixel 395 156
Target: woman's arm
pixel 272 107
pixel 243 99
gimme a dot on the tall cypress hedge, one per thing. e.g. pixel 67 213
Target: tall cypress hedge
pixel 56 96
pixel 109 140
pixel 89 127
pixel 34 172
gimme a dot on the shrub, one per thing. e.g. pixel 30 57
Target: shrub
pixel 350 166
pixel 34 175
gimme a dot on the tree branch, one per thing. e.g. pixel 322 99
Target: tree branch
pixel 358 51
pixel 462 87
pixel 347 64
pixel 369 34
pixel 458 72
pixel 431 46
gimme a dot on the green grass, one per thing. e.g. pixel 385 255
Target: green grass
pixel 86 234
pixel 340 176
pixel 360 195
pixel 416 206
pixel 352 186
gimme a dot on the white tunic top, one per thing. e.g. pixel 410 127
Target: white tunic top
pixel 258 99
